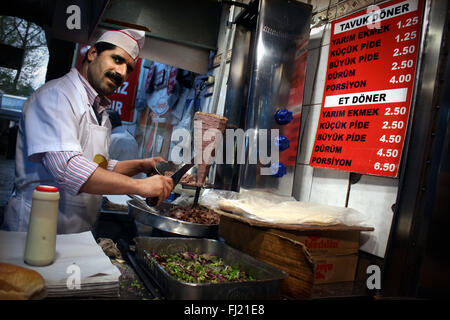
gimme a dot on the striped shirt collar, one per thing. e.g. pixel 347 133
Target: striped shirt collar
pixel 101 103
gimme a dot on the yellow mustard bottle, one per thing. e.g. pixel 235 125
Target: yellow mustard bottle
pixel 40 245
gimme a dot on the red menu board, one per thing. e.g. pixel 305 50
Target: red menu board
pixel 368 89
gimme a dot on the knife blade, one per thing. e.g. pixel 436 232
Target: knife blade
pixel 176 177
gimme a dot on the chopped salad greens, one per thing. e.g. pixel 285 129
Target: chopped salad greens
pixel 200 268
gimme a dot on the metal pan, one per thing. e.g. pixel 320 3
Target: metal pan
pixel 266 285
pixel 158 219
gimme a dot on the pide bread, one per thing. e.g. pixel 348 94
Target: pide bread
pixel 19 283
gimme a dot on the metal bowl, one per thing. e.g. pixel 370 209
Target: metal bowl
pixel 159 219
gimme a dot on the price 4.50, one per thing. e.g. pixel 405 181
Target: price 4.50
pixel 388 153
pixel 384 166
pixel 393 138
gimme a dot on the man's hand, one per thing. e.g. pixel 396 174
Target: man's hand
pixel 148 164
pixel 155 186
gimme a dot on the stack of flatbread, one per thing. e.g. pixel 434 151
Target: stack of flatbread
pixel 285 212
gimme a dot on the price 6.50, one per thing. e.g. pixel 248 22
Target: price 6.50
pixel 384 166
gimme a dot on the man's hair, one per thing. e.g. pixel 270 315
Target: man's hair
pixel 100 47
pixel 114 117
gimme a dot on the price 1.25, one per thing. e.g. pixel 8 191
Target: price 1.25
pixel 406 36
pixel 408 22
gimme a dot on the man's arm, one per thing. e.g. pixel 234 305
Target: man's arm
pixel 75 173
pixel 133 167
pixel 106 182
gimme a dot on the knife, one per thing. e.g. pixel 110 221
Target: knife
pixel 176 177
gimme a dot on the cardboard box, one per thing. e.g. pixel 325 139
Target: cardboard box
pixel 325 242
pixel 330 269
pixel 283 253
pixel 310 255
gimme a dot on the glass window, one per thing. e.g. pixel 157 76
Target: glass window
pixel 30 73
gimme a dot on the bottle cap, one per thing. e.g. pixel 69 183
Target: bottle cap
pixel 47 188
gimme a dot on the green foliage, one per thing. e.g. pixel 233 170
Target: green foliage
pixel 200 268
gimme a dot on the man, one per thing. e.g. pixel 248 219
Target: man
pixel 123 144
pixel 64 137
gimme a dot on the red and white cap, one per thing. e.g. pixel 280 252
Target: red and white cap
pixel 130 40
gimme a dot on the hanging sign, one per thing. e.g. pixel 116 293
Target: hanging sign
pixel 368 89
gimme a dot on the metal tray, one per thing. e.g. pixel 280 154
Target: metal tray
pixel 266 285
pixel 161 221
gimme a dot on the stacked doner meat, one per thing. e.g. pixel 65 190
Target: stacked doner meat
pixel 202 123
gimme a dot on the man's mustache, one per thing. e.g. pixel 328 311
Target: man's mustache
pixel 114 76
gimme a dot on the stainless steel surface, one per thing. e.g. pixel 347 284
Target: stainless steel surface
pixel 158 219
pixel 174 54
pixel 176 21
pixel 220 76
pixel 412 214
pixel 142 203
pixel 268 41
pixel 266 285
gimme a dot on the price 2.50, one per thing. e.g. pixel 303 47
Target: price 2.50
pixel 404 51
pixel 393 125
pixel 395 111
pixel 402 65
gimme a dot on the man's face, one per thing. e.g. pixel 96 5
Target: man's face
pixel 107 70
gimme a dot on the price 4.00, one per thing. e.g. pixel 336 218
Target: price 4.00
pixel 401 78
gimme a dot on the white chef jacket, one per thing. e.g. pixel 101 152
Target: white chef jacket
pixel 57 117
